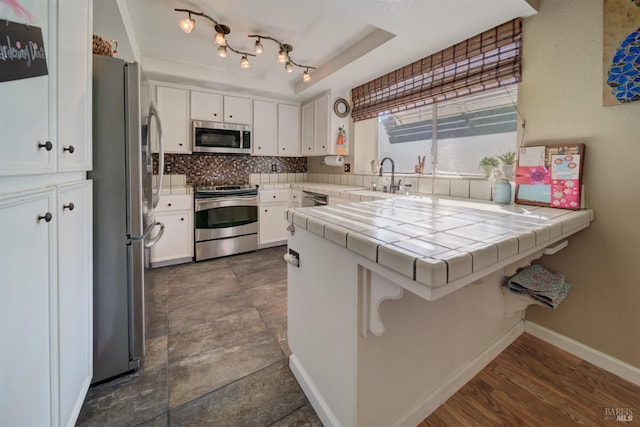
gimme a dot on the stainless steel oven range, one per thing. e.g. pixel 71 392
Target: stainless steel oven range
pixel 226 220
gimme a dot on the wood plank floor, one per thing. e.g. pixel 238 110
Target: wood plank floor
pixel 533 383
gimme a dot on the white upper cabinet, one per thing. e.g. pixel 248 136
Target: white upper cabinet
pixel 74 86
pixel 206 106
pixel 28 144
pixel 173 105
pixel 264 131
pixel 307 128
pixel 214 107
pixel 237 110
pixel 321 115
pixel 288 130
pixel 316 121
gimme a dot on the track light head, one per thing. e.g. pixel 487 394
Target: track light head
pixel 187 24
pixel 258 47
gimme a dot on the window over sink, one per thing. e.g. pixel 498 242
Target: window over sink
pixel 453 135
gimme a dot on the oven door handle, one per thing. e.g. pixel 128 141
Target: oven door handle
pixel 221 202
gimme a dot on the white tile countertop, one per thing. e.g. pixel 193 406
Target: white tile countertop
pixel 434 240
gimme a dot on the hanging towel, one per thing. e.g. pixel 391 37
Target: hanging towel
pixel 541 284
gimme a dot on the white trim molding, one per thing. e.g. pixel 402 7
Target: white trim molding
pixel 591 355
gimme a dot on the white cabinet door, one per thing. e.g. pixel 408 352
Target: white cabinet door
pixel 75 297
pixel 272 223
pixel 28 122
pixel 288 130
pixel 237 110
pixel 28 358
pixel 173 105
pixel 264 132
pixel 206 106
pixel 321 125
pixel 308 131
pixel 74 85
pixel 177 241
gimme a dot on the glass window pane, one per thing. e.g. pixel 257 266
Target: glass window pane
pixel 404 136
pixel 468 128
pixel 472 127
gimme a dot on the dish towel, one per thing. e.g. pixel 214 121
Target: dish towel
pixel 541 284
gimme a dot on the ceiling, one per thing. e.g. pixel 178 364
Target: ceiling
pixel 349 41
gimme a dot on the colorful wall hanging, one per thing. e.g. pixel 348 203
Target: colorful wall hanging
pixel 621 52
pixel 550 175
pixel 342 146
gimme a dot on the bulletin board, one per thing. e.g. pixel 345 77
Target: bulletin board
pixel 550 175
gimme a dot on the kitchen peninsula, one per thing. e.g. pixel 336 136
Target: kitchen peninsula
pixel 365 362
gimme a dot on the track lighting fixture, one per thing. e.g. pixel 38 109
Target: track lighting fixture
pixel 188 24
pixel 284 56
pixel 222 31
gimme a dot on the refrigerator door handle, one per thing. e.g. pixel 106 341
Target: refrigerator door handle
pixel 153 112
pixel 153 240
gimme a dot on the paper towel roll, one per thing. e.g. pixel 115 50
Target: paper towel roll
pixel 334 160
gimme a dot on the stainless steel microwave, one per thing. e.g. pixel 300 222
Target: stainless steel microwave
pixel 217 137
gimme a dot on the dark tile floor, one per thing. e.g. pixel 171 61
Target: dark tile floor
pixel 216 351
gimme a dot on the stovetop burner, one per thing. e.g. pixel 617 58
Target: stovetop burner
pixel 227 189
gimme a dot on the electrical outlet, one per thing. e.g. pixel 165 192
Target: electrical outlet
pixel 347 167
pixel 274 168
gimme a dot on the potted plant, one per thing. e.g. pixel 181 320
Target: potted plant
pixel 488 163
pixel 508 160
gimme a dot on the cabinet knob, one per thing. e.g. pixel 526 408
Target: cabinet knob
pixel 308 148
pixel 47 146
pixel 181 219
pixel 70 206
pixel 168 204
pixel 231 116
pixel 70 149
pixel 266 210
pixel 259 148
pixel 215 114
pixel 282 148
pixel 180 144
pixel 47 217
pixel 274 197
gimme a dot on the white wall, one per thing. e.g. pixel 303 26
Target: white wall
pixel 561 98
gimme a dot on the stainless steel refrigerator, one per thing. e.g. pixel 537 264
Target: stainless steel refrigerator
pixel 124 224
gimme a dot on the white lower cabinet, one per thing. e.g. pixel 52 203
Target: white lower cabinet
pixel 75 296
pixel 176 244
pixel 45 305
pixel 271 216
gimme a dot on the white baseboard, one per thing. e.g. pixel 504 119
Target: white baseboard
pixel 448 389
pixel 308 387
pixel 591 355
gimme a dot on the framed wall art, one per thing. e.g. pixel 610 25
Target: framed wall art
pixel 550 175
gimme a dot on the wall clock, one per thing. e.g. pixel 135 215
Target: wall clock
pixel 341 107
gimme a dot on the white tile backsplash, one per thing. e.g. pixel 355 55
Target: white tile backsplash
pixel 425 185
pixel 459 188
pixel 480 189
pixel 442 186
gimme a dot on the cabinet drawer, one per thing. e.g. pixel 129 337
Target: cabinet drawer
pixel 267 196
pixel 175 202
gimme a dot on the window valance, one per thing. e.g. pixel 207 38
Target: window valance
pixel 486 61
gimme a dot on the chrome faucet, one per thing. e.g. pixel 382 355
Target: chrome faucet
pixel 394 187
